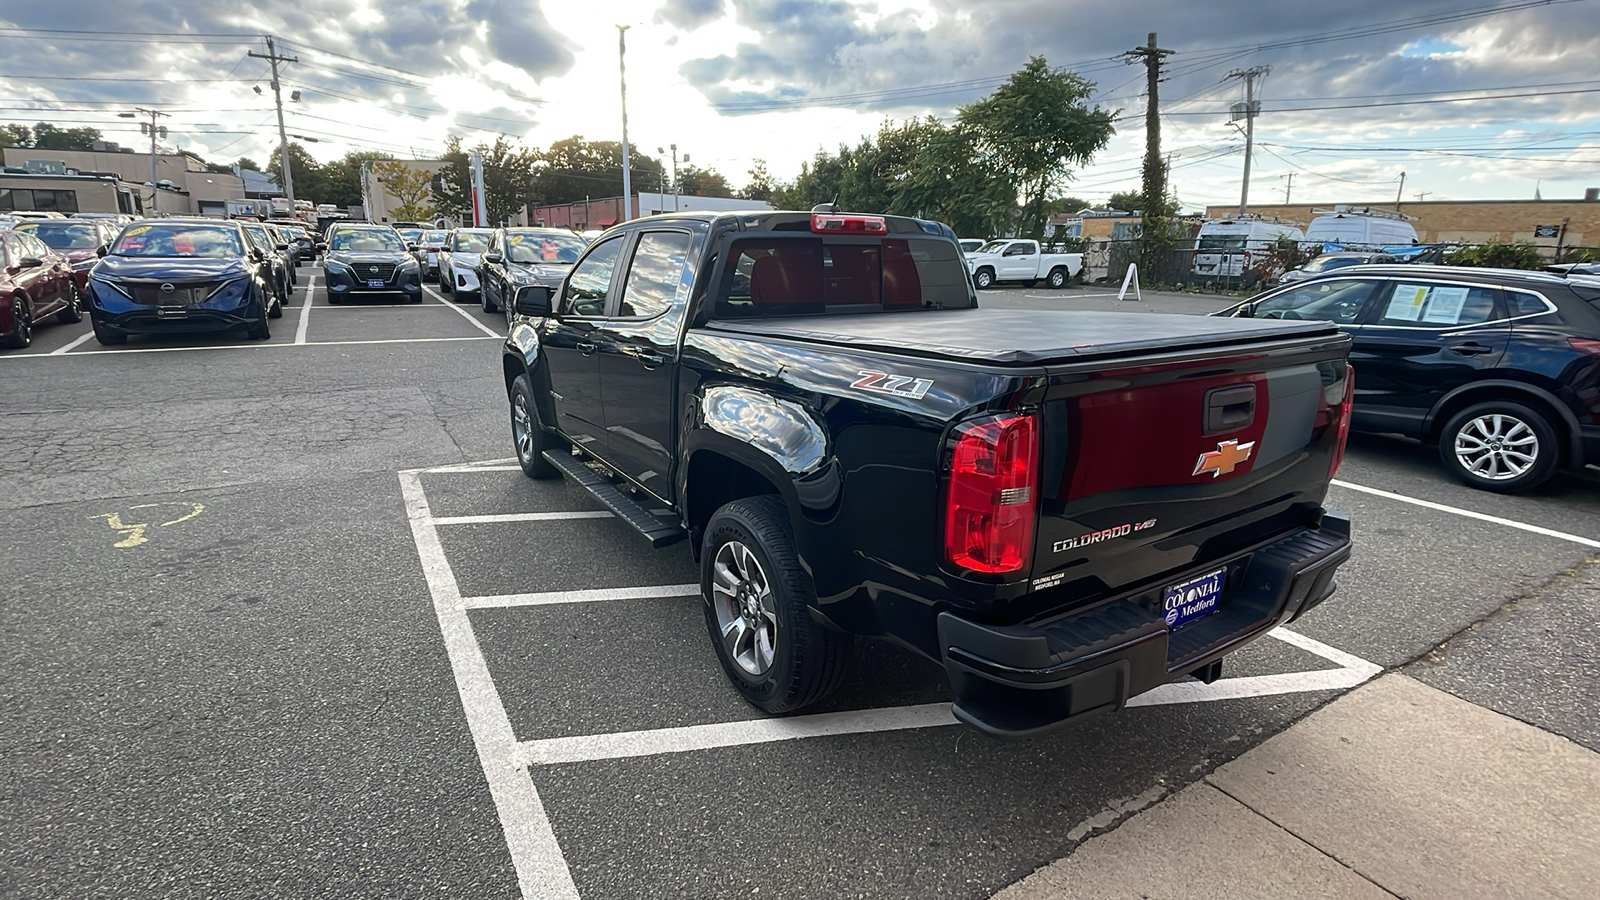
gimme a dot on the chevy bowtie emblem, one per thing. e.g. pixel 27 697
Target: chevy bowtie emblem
pixel 1224 459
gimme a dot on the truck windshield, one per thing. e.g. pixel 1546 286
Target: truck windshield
pixel 806 276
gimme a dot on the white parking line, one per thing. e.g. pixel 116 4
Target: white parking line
pixel 469 468
pixel 466 315
pixel 102 352
pixel 551 598
pixel 305 310
pixel 1467 513
pixel 535 854
pixel 523 517
pixel 76 342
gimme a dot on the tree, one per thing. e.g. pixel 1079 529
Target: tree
pixel 409 186
pixel 245 162
pixel 573 168
pixel 1127 201
pixel 452 189
pixel 16 136
pixel 508 179
pixel 342 177
pixel 1497 255
pixel 760 186
pixel 309 181
pixel 694 181
pixel 49 137
pixel 1032 128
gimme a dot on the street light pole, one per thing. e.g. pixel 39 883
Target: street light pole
pixel 277 99
pixel 627 176
pixel 161 130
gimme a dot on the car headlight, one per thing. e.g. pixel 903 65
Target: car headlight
pixel 343 267
pixel 84 265
pixel 230 291
pixel 112 285
pixel 409 264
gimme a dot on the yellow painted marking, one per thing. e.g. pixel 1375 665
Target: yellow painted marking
pixel 133 534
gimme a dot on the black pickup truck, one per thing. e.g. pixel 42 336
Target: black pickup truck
pixel 1064 509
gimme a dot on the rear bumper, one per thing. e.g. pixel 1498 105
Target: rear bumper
pixel 1021 680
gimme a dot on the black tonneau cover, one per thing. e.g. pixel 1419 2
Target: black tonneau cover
pixel 1024 337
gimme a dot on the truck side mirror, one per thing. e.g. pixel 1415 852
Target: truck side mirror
pixel 533 300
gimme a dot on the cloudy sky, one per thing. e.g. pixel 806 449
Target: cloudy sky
pixel 1358 92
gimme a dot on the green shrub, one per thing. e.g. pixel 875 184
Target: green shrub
pixel 1497 255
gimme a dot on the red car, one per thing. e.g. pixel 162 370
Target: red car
pixel 79 240
pixel 35 281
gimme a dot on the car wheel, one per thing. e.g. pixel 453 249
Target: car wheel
pixel 527 435
pixel 1057 279
pixel 489 306
pixel 21 324
pixel 1500 446
pixel 260 331
pixel 757 598
pixel 275 311
pixel 445 285
pixel 983 279
pixel 74 311
pixel 108 337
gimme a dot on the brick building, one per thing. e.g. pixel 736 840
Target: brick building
pixel 1469 221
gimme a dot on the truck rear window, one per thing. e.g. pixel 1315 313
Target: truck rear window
pixel 775 275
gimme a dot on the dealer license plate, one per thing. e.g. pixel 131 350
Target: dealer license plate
pixel 1185 602
pixel 374 282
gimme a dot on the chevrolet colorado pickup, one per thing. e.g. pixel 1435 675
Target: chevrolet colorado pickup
pixel 1063 509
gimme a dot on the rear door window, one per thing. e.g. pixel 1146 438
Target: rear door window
pixel 654 275
pixel 787 276
pixel 1421 304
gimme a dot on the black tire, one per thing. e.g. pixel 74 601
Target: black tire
pixel 74 311
pixel 808 660
pixel 1488 446
pixel 445 285
pixel 489 306
pixel 983 279
pixel 275 311
pixel 416 299
pixel 528 436
pixel 1057 279
pixel 260 331
pixel 21 334
pixel 107 337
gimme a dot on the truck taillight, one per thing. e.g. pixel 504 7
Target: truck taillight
pixel 838 223
pixel 1343 435
pixel 990 502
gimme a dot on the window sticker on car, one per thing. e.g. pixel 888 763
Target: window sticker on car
pixel 138 229
pixel 1407 302
pixel 1444 305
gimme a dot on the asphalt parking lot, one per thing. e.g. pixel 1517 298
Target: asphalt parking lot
pixel 282 619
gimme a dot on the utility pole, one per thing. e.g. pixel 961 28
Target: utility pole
pixel 1287 187
pixel 1252 108
pixel 277 99
pixel 155 131
pixel 1155 172
pixel 627 176
pixel 1399 193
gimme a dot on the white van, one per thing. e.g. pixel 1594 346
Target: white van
pixel 1223 247
pixel 1360 228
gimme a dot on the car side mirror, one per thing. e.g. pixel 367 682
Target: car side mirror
pixel 321 246
pixel 411 247
pixel 29 262
pixel 283 246
pixel 101 251
pixel 256 254
pixel 533 300
pixel 493 257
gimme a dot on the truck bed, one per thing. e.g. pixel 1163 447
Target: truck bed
pixel 1023 337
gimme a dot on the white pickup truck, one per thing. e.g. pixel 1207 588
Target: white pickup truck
pixel 1021 260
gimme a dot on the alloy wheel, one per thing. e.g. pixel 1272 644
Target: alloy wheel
pixel 1496 447
pixel 747 615
pixel 522 428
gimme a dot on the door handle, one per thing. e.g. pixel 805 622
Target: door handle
pixel 650 360
pixel 586 348
pixel 1472 348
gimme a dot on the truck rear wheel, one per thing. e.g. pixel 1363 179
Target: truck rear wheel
pixel 756 606
pixel 1057 279
pixel 528 436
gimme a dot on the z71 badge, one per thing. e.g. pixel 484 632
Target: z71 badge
pixel 898 385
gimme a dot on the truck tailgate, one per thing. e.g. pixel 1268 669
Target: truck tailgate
pixel 1154 467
